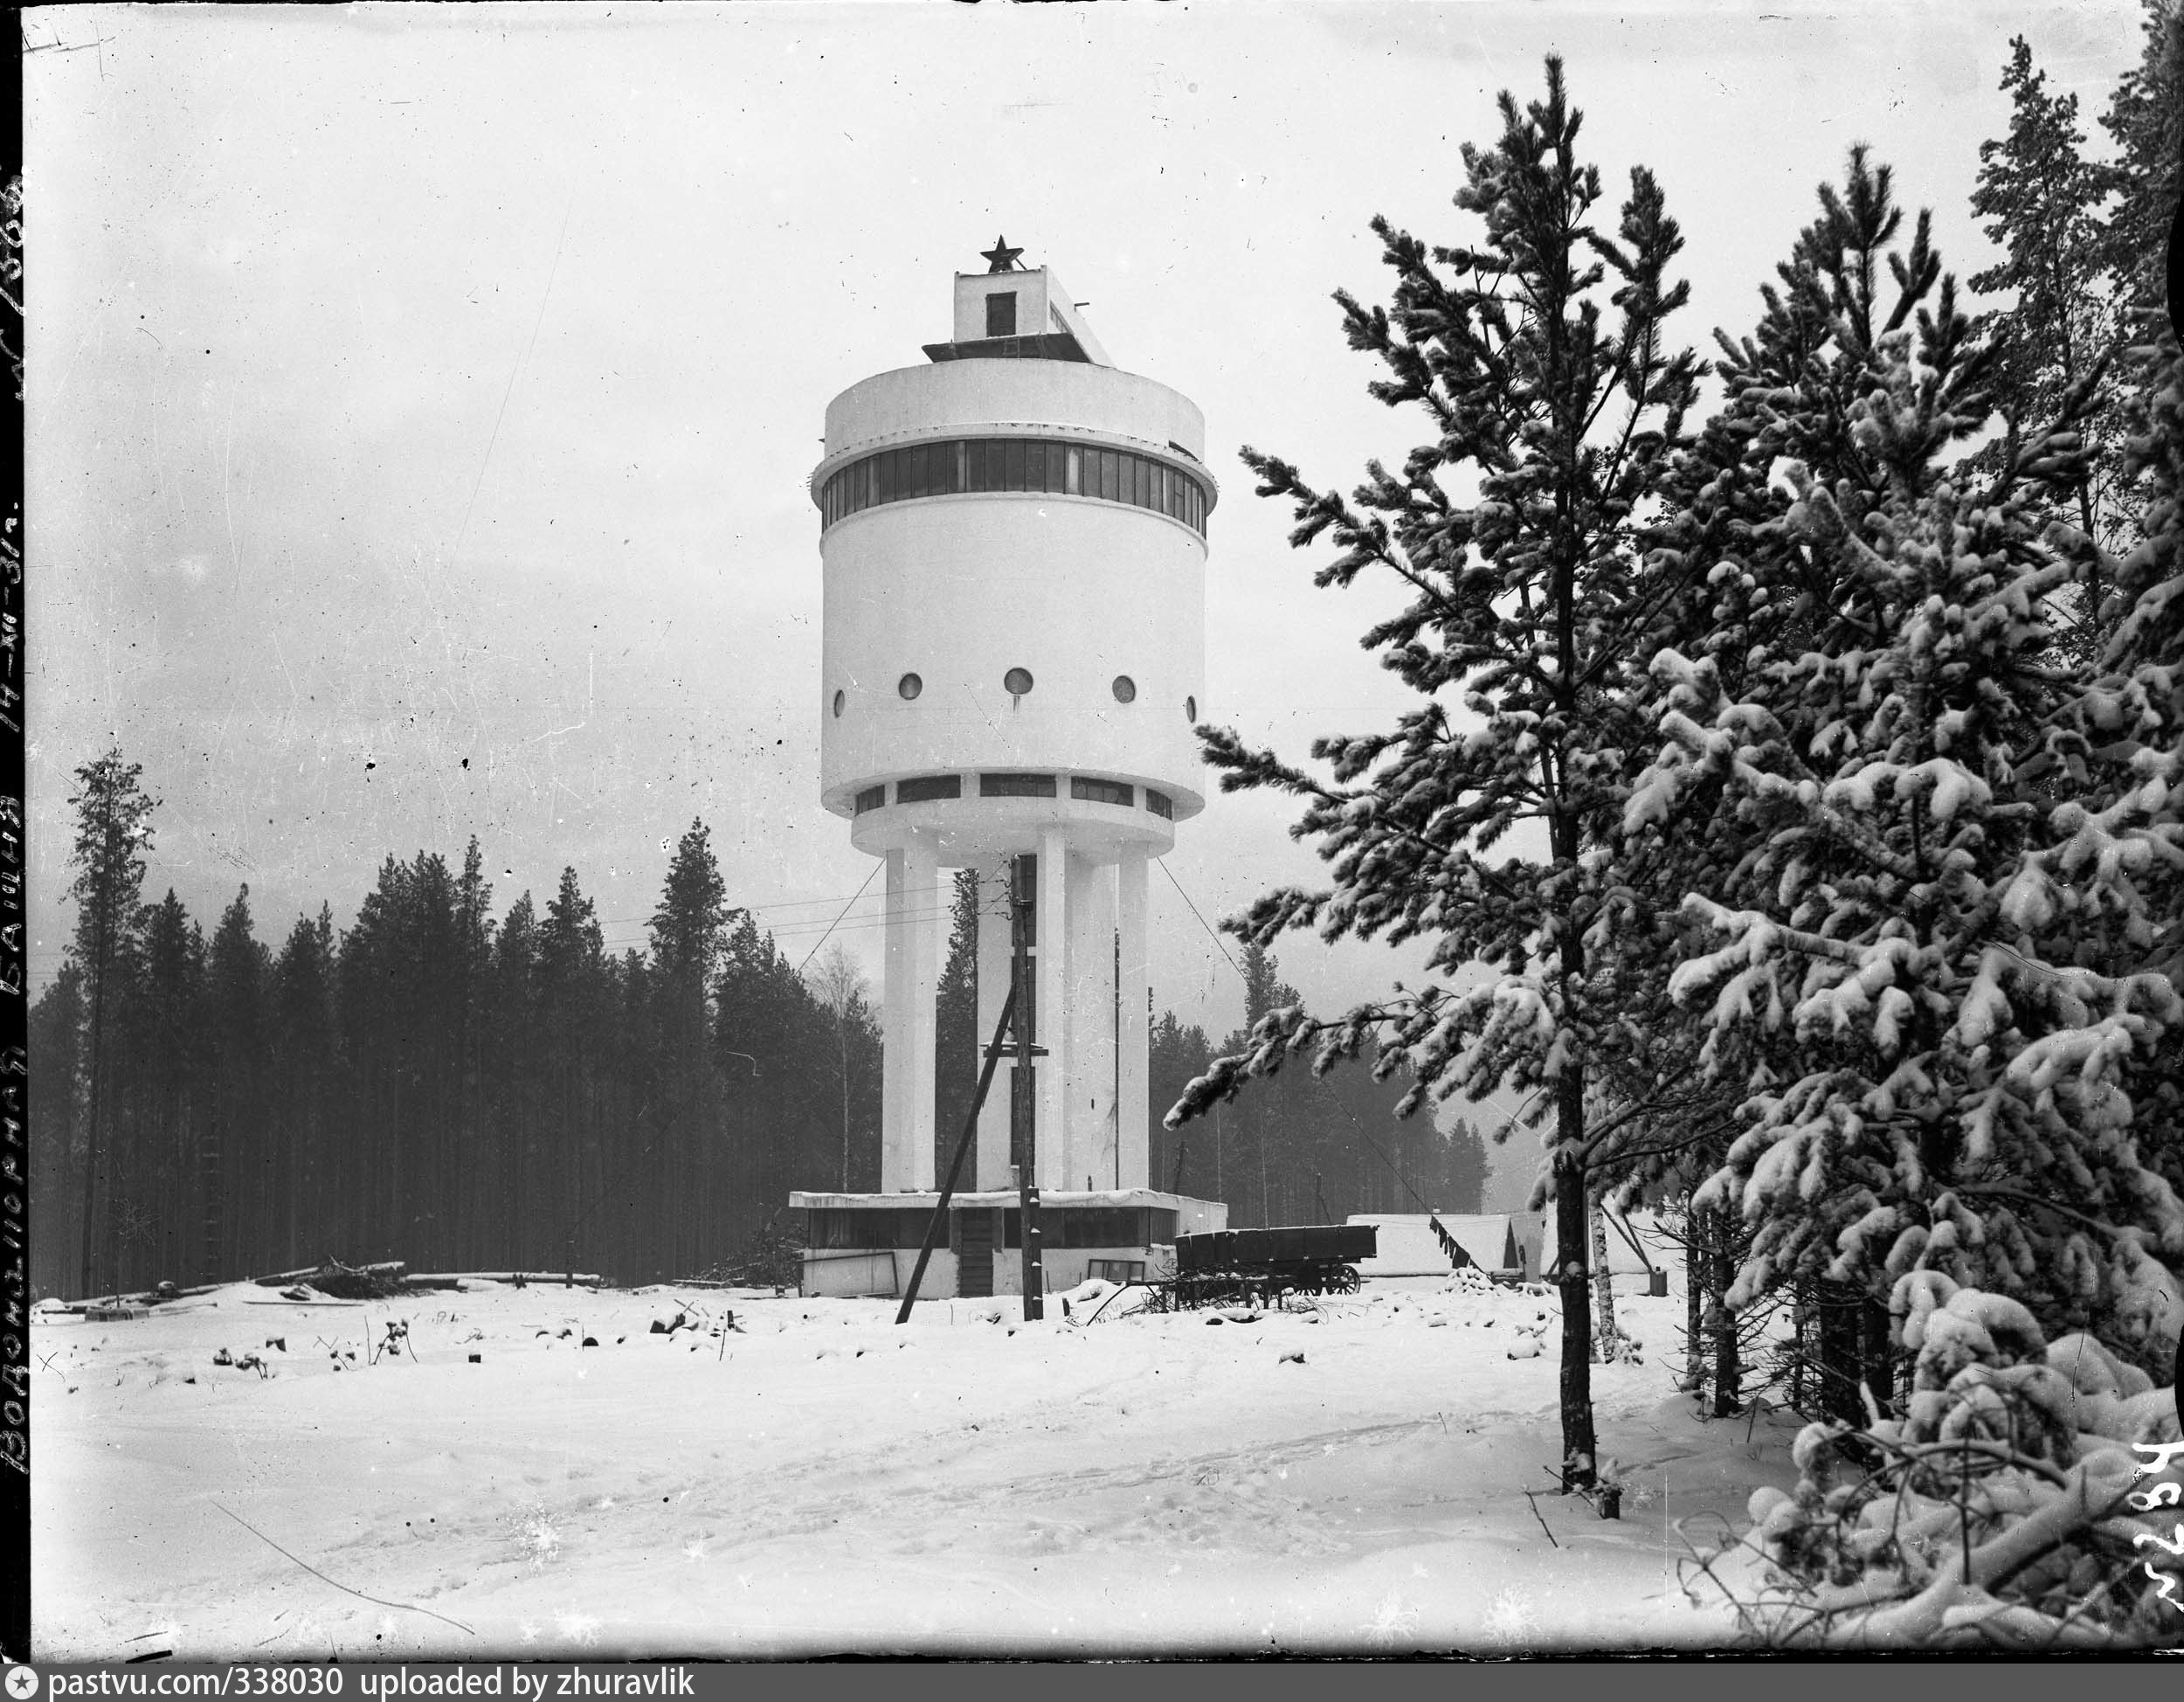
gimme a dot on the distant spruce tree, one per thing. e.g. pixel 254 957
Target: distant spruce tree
pixel 305 1095
pixel 689 933
pixel 574 999
pixel 1462 1181
pixel 1540 358
pixel 241 1202
pixel 58 1025
pixel 955 1036
pixel 1263 1131
pixel 164 1111
pixel 114 830
pixel 2042 200
pixel 2145 120
pixel 1177 1055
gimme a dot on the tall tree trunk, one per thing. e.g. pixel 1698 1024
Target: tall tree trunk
pixel 1728 1360
pixel 1801 1338
pixel 1579 1450
pixel 1839 1357
pixel 1603 1287
pixel 92 1154
pixel 1697 1277
pixel 1877 1352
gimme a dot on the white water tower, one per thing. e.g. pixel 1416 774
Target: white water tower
pixel 1013 536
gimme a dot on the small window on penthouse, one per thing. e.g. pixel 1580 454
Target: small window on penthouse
pixel 1001 314
pixel 1125 688
pixel 927 787
pixel 1103 792
pixel 1016 786
pixel 872 798
pixel 1160 804
pixel 909 686
pixel 841 702
pixel 1016 681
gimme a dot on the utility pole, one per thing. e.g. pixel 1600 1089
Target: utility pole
pixel 1023 1100
pixel 937 1226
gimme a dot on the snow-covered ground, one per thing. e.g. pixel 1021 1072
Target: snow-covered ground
pixel 821 1480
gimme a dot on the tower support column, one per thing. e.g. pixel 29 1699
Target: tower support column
pixel 923 899
pixel 1050 972
pixel 906 1124
pixel 1134 1000
pixel 1090 970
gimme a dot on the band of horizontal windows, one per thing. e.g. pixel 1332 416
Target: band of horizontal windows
pixel 1103 792
pixel 1016 786
pixel 959 465
pixel 927 787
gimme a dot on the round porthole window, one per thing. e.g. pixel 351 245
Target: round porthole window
pixel 1125 688
pixel 840 698
pixel 909 685
pixel 1016 681
pixel 1191 708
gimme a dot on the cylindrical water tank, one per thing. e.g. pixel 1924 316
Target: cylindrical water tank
pixel 1014 559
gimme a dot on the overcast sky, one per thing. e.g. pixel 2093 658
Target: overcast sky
pixel 421 399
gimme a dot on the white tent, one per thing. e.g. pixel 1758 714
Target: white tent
pixel 1496 1240
pixel 1407 1246
pixel 1536 1234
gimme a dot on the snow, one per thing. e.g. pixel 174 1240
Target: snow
pixel 1345 1477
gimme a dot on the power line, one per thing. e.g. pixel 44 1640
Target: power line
pixel 813 953
pixel 1185 896
pixel 802 903
pixel 1393 1169
pixel 803 929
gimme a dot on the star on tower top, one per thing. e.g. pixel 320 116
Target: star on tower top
pixel 1000 257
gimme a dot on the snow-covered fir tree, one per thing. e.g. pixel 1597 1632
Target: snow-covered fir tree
pixel 1871 770
pixel 1540 358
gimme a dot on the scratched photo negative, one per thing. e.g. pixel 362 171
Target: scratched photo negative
pixel 1450 925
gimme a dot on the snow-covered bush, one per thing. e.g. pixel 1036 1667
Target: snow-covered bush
pixel 772 1258
pixel 2006 1507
